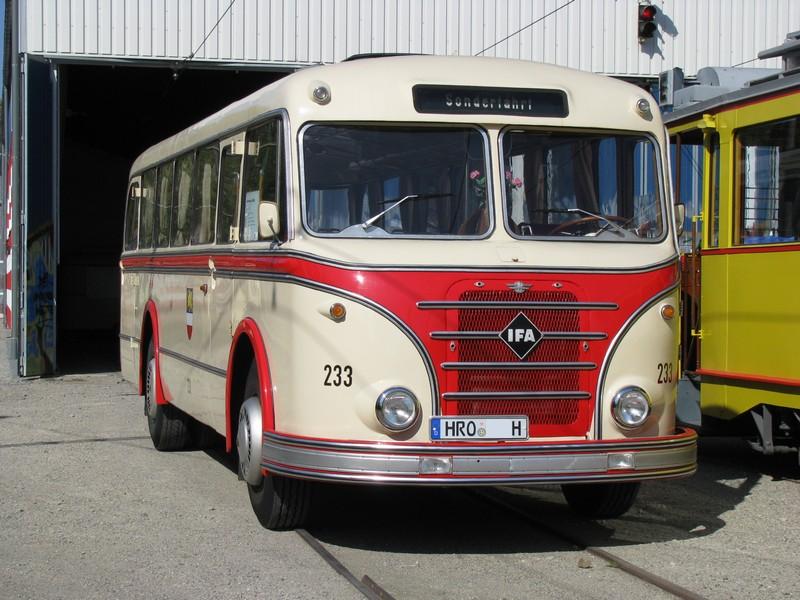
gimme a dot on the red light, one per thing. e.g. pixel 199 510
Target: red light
pixel 648 12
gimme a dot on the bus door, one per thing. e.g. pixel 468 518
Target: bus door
pixel 196 185
pixel 40 200
pixel 216 292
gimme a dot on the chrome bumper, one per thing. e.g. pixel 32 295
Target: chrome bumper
pixel 481 464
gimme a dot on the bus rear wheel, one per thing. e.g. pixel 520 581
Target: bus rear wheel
pixel 279 503
pixel 601 500
pixel 168 425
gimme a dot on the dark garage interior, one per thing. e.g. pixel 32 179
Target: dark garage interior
pixel 109 115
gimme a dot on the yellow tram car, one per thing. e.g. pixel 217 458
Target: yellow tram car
pixel 736 167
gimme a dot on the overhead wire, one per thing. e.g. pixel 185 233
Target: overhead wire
pixel 528 26
pixel 205 39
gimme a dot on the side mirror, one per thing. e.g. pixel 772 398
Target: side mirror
pixel 269 225
pixel 680 215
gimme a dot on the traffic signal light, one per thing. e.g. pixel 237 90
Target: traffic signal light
pixel 647 25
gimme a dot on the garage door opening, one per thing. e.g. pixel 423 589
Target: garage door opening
pixel 108 116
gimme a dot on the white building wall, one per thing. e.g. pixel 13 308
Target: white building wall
pixel 593 35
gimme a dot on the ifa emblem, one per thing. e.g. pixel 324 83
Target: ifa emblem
pixel 521 335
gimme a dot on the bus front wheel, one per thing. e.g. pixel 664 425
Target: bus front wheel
pixel 601 500
pixel 279 502
pixel 168 425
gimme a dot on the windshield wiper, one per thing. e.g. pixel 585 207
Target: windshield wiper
pixel 599 218
pixel 371 220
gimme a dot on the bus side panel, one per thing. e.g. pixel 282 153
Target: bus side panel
pixel 646 357
pixel 176 315
pixel 327 375
pixel 129 330
pixel 215 321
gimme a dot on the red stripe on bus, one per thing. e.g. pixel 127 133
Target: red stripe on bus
pixel 749 377
pixel 794 247
pixel 398 292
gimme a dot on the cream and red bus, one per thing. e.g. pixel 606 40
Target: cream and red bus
pixel 413 271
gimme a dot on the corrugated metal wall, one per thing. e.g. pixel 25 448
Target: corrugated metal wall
pixel 593 35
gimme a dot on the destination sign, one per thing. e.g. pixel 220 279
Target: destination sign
pixel 444 99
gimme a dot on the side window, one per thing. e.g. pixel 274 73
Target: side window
pixel 164 203
pixel 132 216
pixel 230 184
pixel 147 209
pixel 204 195
pixel 768 182
pixel 264 177
pixel 181 198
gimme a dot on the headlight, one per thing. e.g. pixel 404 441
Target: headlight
pixel 630 407
pixel 397 409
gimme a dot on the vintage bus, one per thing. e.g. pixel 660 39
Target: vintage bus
pixel 737 166
pixel 414 271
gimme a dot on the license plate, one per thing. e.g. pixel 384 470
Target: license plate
pixel 479 428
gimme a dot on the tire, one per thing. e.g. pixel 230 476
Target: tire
pixel 168 425
pixel 601 500
pixel 280 503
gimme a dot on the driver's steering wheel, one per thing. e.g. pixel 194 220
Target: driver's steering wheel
pixel 583 221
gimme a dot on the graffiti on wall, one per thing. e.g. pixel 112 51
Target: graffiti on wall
pixel 40 342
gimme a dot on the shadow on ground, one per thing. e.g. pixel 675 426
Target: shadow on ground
pixel 435 520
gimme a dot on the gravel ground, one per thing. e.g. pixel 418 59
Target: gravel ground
pixel 90 510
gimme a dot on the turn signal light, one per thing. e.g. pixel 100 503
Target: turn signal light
pixel 337 311
pixel 667 312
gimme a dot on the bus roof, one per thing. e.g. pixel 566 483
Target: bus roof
pixel 380 90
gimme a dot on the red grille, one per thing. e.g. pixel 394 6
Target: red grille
pixel 557 411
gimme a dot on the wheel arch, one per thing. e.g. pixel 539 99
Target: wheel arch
pixel 247 347
pixel 150 333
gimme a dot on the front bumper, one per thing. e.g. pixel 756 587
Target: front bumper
pixel 481 464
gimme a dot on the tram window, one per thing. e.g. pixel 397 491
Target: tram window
pixel 688 178
pixel 356 173
pixel 264 177
pixel 147 209
pixel 204 195
pixel 164 203
pixel 132 217
pixel 230 181
pixel 182 192
pixel 587 186
pixel 768 182
pixel 715 163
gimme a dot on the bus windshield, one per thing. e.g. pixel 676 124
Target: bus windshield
pixel 379 181
pixel 587 186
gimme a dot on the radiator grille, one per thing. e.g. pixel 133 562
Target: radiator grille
pixel 540 411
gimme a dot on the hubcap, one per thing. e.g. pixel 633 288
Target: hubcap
pixel 248 441
pixel 150 390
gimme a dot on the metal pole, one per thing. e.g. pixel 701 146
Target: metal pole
pixel 15 93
